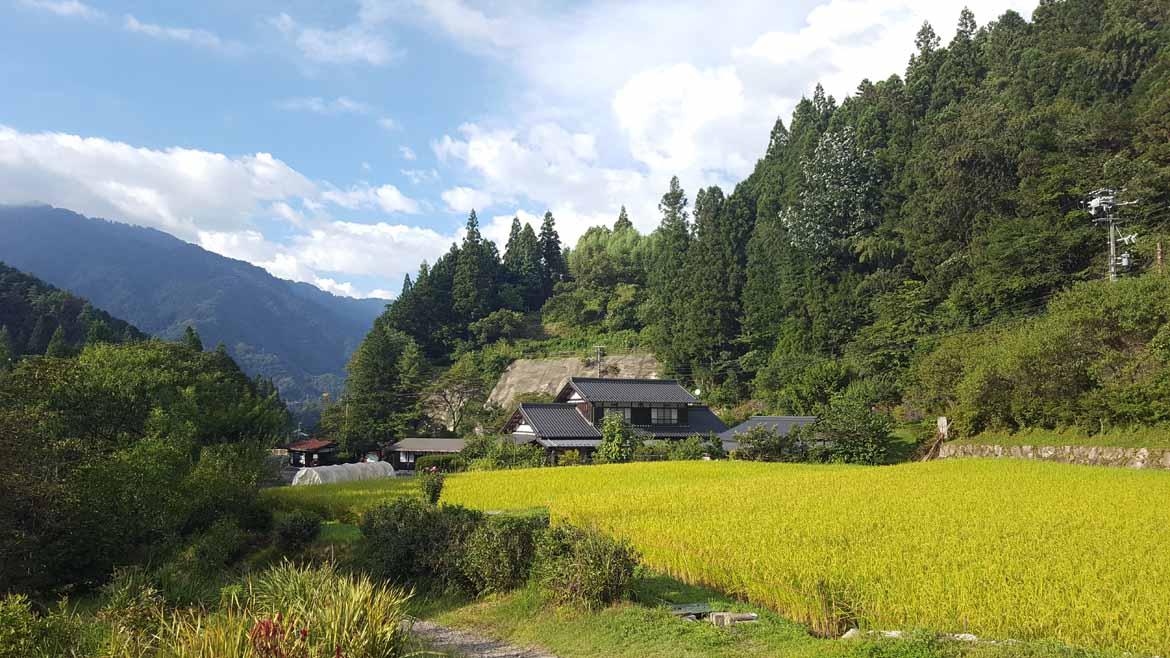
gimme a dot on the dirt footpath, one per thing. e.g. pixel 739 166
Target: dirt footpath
pixel 469 644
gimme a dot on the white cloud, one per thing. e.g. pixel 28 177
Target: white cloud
pixel 662 112
pixel 466 199
pixel 216 200
pixel 194 37
pixel 319 105
pixel 66 8
pixel 386 197
pixel 388 123
pixel 692 97
pixel 500 226
pixel 178 190
pixel 420 176
pixel 356 43
pixel 545 166
pixel 381 249
pixel 347 289
pixel 407 153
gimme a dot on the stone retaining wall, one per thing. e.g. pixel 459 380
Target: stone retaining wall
pixel 1087 455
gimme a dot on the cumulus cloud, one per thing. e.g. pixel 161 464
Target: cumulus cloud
pixel 194 37
pixel 663 110
pixel 389 123
pixel 407 153
pixel 466 199
pixel 386 197
pixel 176 189
pixel 544 165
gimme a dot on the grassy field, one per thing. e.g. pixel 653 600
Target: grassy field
pixel 1145 437
pixel 643 628
pixel 1002 548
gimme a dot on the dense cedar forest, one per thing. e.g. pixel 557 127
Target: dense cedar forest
pixel 945 199
pixel 292 333
pixel 36 318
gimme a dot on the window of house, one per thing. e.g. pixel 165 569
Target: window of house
pixel 408 458
pixel 624 411
pixel 664 416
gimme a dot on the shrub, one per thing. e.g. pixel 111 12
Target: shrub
pixel 498 554
pixel 445 463
pixel 132 602
pixel 296 530
pixel 409 541
pixel 765 444
pixel 219 545
pixel 570 458
pixel 651 451
pixel 583 567
pixel 19 627
pixel 849 432
pixel 489 453
pixel 25 634
pixel 430 483
pixel 618 441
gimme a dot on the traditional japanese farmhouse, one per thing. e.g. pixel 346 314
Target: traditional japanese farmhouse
pixel 657 408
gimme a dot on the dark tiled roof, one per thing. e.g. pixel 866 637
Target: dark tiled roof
pixel 429 445
pixel 631 390
pixel 558 421
pixel 700 420
pixel 781 424
pixel 311 445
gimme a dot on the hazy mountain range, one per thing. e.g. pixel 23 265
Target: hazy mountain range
pixel 295 333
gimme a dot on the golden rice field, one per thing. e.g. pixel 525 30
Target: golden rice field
pixel 1002 549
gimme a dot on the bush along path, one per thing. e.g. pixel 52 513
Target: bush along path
pixel 468 644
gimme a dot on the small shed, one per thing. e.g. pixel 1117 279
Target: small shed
pixel 404 453
pixel 312 452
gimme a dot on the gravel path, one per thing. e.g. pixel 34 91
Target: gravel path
pixel 470 644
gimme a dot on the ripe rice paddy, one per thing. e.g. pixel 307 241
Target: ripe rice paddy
pixel 1002 549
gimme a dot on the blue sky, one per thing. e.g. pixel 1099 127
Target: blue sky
pixel 342 143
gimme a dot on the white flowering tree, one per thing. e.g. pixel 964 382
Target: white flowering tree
pixel 838 195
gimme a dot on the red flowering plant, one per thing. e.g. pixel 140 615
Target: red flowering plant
pixel 274 638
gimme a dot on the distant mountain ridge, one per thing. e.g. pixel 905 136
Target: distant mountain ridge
pixel 294 333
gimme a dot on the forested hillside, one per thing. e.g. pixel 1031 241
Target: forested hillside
pixel 122 453
pixel 36 318
pixel 293 333
pixel 945 198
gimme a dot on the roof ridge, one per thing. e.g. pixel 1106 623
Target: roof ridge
pixel 624 379
pixel 548 404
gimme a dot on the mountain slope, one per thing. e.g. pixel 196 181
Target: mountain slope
pixel 32 311
pixel 292 332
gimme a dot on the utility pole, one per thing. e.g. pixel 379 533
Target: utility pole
pixel 598 348
pixel 1103 206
